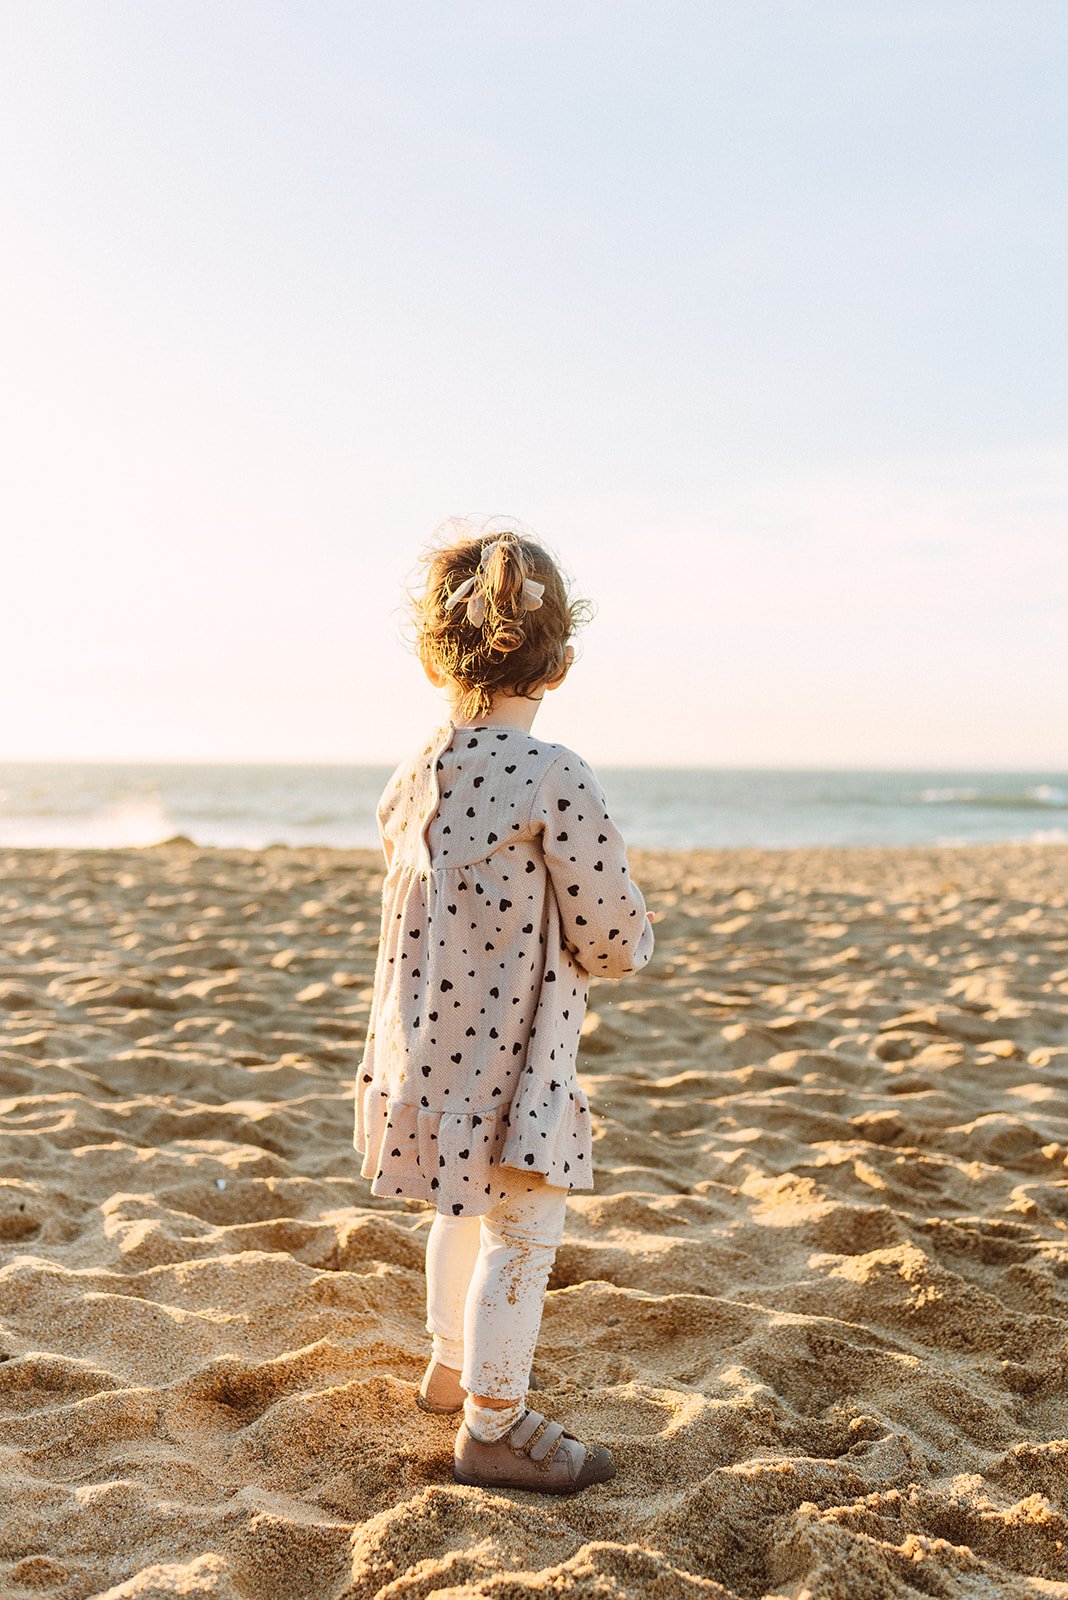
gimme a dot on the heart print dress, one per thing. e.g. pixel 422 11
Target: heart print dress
pixel 507 887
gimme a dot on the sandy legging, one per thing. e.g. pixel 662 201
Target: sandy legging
pixel 485 1284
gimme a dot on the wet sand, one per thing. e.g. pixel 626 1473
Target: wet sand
pixel 817 1304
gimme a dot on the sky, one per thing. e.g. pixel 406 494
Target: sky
pixel 751 310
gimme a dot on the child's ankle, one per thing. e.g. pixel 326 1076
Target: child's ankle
pixel 487 1424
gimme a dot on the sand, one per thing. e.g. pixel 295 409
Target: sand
pixel 817 1304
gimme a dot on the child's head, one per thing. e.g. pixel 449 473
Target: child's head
pixel 513 650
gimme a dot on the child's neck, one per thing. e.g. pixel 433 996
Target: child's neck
pixel 507 711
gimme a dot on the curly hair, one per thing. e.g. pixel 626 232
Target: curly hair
pixel 512 650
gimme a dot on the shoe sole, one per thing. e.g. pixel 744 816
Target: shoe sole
pixel 438 1411
pixel 535 1488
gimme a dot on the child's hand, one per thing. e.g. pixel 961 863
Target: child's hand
pixel 651 915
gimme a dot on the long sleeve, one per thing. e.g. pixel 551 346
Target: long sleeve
pixel 602 912
pixel 383 837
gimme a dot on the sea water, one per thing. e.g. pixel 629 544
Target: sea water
pixel 250 807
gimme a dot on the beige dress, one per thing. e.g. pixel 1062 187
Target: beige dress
pixel 506 888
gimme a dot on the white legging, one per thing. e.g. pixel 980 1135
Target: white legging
pixel 485 1284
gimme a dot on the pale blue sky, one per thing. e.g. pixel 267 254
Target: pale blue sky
pixel 754 311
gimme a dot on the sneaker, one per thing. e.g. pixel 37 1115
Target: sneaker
pixel 441 1391
pixel 534 1454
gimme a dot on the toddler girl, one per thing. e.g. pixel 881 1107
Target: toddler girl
pixel 506 889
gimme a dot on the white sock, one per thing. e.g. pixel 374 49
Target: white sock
pixel 490 1423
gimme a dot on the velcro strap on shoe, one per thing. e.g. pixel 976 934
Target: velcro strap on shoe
pixel 523 1429
pixel 552 1434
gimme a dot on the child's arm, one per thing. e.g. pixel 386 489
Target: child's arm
pixel 605 924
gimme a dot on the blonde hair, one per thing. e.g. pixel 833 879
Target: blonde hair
pixel 512 650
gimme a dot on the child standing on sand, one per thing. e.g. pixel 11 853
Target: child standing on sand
pixel 506 889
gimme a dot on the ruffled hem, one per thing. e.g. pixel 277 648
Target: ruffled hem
pixel 549 1132
pixel 448 1158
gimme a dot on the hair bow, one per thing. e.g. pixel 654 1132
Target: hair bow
pixel 473 591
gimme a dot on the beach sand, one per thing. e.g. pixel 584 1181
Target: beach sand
pixel 817 1304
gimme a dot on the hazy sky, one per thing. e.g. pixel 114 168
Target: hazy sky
pixel 753 311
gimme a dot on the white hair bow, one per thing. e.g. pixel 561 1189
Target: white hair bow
pixel 473 591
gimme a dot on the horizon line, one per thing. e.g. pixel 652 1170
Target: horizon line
pixel 619 766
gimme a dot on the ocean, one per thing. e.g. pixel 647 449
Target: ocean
pixel 250 807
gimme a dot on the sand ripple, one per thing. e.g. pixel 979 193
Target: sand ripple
pixel 817 1305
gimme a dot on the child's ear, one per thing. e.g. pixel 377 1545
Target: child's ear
pixel 433 671
pixel 555 683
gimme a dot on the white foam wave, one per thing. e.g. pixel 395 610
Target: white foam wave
pixel 1033 795
pixel 942 797
pixel 131 821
